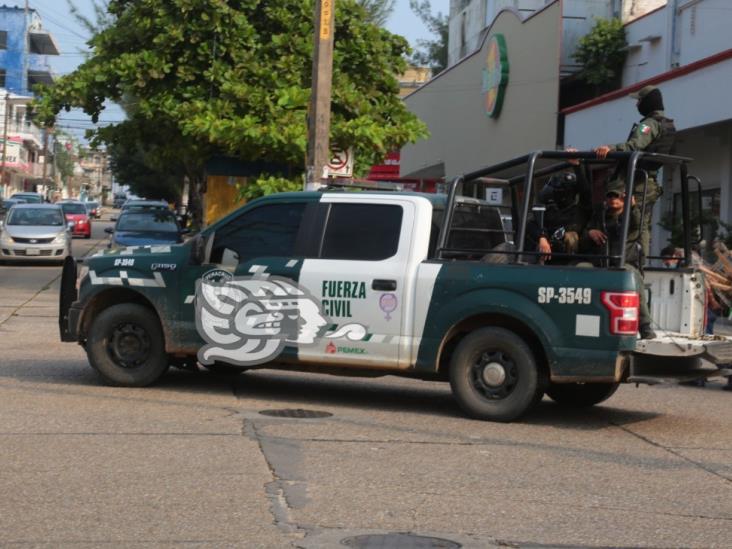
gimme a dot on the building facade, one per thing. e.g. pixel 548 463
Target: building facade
pixel 681 46
pixel 24 47
pixel 23 166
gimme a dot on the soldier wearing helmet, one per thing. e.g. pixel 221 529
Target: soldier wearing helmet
pixel 654 133
pixel 568 208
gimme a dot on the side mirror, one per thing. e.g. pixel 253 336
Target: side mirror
pixel 109 230
pixel 70 225
pixel 113 219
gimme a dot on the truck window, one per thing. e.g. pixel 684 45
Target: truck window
pixel 367 232
pixel 270 230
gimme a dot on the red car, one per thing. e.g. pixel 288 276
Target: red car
pixel 76 213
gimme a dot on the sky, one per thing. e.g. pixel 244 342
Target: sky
pixel 70 38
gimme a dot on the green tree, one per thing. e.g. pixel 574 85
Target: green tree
pixel 378 11
pixel 64 159
pixel 210 77
pixel 431 53
pixel 602 52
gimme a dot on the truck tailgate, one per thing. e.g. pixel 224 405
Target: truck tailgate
pixel 674 357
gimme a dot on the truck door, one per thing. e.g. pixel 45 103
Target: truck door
pixel 266 235
pixel 359 274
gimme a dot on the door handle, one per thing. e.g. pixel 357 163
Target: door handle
pixel 384 285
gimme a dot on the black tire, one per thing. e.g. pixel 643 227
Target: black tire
pixel 581 395
pixel 495 399
pixel 126 346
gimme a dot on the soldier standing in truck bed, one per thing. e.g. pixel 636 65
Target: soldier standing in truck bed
pixel 654 133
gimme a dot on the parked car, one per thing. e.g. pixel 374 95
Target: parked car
pixel 31 198
pixel 139 227
pixel 76 213
pixel 149 204
pixel 33 232
pixel 93 208
pixel 8 203
pixel 119 200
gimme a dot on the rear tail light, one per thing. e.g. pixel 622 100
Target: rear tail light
pixel 623 309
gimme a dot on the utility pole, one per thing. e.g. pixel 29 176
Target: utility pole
pixel 319 119
pixel 45 154
pixel 5 137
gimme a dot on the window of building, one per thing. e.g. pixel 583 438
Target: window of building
pixel 3 40
pixel 2 78
pixel 267 231
pixel 368 232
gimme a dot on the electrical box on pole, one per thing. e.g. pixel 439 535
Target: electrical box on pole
pixel 319 115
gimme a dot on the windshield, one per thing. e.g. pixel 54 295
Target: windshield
pixel 149 221
pixel 33 198
pixel 73 209
pixel 46 217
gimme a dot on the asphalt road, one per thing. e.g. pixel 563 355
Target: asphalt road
pixel 193 462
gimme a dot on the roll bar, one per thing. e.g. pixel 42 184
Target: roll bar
pixel 527 176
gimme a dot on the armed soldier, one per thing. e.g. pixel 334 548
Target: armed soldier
pixel 605 237
pixel 655 133
pixel 568 209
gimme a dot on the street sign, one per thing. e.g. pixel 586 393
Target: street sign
pixel 340 163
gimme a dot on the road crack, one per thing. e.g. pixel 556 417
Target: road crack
pixel 673 452
pixel 281 491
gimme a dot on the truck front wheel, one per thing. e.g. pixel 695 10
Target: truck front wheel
pixel 581 395
pixel 494 375
pixel 126 346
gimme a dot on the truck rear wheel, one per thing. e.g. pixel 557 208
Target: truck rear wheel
pixel 494 375
pixel 126 346
pixel 581 395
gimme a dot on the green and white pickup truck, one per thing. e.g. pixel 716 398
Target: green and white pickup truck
pixel 435 287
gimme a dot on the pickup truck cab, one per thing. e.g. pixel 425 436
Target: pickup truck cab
pixel 367 283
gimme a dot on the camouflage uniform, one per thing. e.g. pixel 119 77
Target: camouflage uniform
pixel 654 133
pixel 612 227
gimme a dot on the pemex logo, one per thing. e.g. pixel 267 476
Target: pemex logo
pixel 495 75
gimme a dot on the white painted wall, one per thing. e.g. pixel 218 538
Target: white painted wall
pixel 646 58
pixel 703 29
pixel 692 100
pixel 463 137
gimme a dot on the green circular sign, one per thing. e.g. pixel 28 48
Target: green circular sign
pixel 495 75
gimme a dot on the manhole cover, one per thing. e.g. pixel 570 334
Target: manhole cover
pixel 398 541
pixel 296 413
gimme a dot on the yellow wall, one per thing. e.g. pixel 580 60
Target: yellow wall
pixel 220 197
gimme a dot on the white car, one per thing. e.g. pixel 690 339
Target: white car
pixel 35 232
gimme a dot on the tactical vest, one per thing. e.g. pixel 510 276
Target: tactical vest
pixel 663 144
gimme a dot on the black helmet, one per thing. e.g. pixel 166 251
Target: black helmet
pixel 561 189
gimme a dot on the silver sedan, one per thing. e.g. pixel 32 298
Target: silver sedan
pixel 35 232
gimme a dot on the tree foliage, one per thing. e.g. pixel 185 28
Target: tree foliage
pixel 602 52
pixel 204 77
pixel 378 11
pixel 431 53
